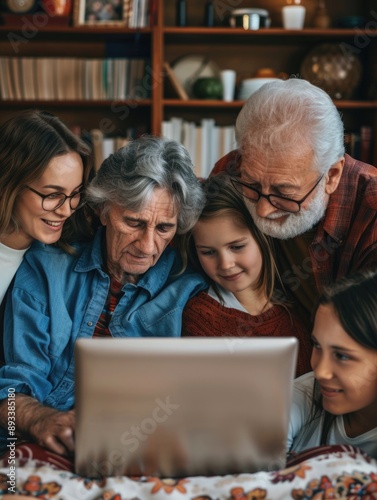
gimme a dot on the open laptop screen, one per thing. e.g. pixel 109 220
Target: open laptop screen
pixel 178 407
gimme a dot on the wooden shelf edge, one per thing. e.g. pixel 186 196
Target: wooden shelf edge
pixel 264 32
pixel 355 104
pixel 132 103
pixel 80 30
pixel 179 103
pixel 204 103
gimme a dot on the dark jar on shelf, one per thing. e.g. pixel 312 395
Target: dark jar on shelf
pixel 181 13
pixel 209 14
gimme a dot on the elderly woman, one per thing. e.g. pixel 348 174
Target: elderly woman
pixel 126 283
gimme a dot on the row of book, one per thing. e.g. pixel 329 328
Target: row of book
pixel 359 144
pixel 104 146
pixel 206 143
pixel 64 78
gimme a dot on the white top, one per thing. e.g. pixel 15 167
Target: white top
pixel 302 437
pixel 228 297
pixel 10 260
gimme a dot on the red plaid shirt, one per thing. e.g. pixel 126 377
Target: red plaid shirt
pixel 114 296
pixel 346 239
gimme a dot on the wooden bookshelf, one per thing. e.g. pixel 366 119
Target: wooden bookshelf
pixel 229 48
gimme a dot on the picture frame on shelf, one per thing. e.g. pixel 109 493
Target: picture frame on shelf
pixel 101 12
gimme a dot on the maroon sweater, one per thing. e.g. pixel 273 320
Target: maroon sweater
pixel 203 316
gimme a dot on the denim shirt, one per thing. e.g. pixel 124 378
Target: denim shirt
pixel 58 298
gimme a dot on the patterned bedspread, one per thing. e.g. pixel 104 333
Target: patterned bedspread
pixel 322 473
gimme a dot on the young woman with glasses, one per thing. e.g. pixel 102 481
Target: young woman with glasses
pixel 44 168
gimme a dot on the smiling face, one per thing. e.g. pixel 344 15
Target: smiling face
pixel 136 240
pixel 292 177
pixel 64 174
pixel 228 253
pixel 345 370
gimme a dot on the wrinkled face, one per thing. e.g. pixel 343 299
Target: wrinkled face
pixel 64 174
pixel 136 240
pixel 228 253
pixel 346 371
pixel 290 177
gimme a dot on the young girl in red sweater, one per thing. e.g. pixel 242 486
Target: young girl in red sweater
pixel 237 258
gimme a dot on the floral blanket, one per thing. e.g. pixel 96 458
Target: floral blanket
pixel 322 473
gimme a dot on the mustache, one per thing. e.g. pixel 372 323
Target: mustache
pixel 277 215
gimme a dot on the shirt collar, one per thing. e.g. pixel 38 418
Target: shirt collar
pixel 91 258
pixel 337 219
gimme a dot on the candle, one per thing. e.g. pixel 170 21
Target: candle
pixel 293 17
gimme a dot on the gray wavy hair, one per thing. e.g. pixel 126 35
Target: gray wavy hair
pixel 282 115
pixel 129 177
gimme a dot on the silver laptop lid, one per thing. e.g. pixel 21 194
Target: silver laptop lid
pixel 178 407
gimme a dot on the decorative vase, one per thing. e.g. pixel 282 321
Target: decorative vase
pixel 321 17
pixel 333 69
pixel 57 7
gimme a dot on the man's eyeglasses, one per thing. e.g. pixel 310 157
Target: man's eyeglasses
pixel 53 201
pixel 280 202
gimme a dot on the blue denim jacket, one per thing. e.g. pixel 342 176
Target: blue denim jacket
pixel 58 298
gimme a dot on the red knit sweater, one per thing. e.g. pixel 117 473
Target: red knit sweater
pixel 203 316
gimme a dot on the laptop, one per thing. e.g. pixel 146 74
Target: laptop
pixel 178 407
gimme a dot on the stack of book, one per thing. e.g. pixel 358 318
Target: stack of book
pixel 206 143
pixel 64 78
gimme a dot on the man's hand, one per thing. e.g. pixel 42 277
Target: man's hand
pixel 54 430
pixel 43 425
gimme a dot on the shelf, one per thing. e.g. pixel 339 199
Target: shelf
pixel 132 103
pixel 192 103
pixel 265 32
pixel 356 104
pixel 79 30
pixel 202 103
pixel 267 36
pixel 245 51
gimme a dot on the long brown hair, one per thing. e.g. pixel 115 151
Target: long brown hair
pixel 28 142
pixel 223 199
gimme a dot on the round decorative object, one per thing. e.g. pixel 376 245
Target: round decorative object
pixel 189 68
pixel 208 88
pixel 333 69
pixel 21 6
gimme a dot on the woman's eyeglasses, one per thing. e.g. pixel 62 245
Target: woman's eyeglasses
pixel 53 201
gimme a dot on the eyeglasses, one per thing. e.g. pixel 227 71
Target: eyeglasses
pixel 53 201
pixel 285 204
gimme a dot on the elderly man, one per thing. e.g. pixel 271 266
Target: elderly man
pixel 318 203
pixel 128 282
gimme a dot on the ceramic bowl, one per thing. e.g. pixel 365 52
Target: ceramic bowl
pixel 251 85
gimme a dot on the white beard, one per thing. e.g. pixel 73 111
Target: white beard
pixel 294 224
